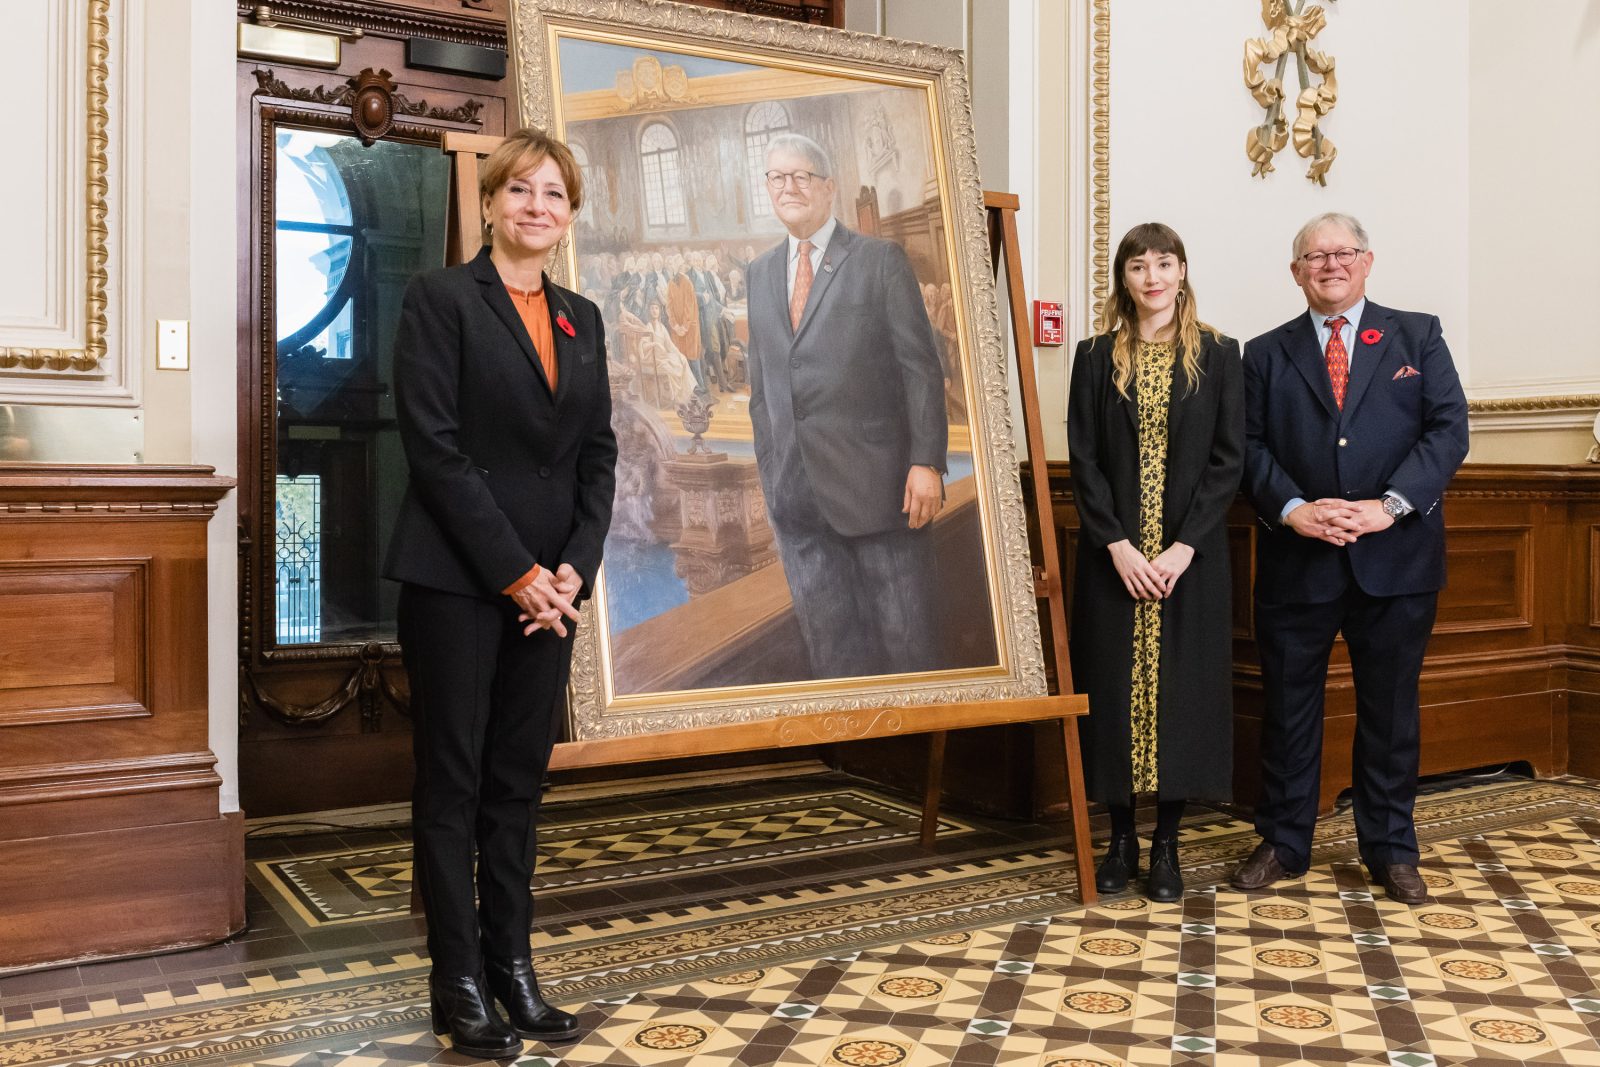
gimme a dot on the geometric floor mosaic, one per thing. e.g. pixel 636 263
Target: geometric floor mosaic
pixel 987 961
pixel 345 886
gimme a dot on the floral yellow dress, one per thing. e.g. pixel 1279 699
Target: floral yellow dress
pixel 1152 392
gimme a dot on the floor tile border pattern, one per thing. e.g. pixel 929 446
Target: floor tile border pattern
pixel 278 878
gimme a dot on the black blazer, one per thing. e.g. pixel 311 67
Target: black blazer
pixel 1397 430
pixel 503 473
pixel 856 393
pixel 1204 448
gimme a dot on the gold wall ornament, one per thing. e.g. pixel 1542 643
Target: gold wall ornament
pixel 1292 30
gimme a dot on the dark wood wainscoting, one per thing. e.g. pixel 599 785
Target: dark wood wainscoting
pixel 1513 670
pixel 110 838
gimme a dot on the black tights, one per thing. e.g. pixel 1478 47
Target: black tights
pixel 1169 813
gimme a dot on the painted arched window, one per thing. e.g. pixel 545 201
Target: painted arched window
pixel 581 154
pixel 764 122
pixel 661 162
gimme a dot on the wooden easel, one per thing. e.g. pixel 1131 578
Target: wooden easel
pixel 1064 707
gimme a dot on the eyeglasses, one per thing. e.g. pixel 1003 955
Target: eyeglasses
pixel 802 178
pixel 1344 257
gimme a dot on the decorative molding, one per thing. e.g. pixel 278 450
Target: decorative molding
pixel 350 93
pixel 364 685
pixel 79 364
pixel 39 783
pixel 369 18
pixel 1525 404
pixel 1100 154
pixel 1291 32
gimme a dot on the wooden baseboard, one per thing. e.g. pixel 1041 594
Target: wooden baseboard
pixel 124 892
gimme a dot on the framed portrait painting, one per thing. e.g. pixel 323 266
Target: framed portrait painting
pixel 817 501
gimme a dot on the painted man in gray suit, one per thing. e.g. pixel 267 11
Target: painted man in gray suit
pixel 847 401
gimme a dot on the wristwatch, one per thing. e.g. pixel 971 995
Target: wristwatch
pixel 1394 507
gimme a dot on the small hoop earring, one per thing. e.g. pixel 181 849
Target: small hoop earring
pixel 1179 296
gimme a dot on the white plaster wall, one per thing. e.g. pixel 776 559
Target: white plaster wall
pixel 213 381
pixel 1180 114
pixel 1534 163
pixel 1534 219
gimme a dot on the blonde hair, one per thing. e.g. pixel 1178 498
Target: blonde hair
pixel 521 152
pixel 1120 315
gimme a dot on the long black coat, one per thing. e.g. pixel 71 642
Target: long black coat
pixel 1205 455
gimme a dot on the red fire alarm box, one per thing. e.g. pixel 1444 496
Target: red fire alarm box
pixel 1048 323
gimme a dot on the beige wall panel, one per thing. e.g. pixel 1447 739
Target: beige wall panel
pixel 68 197
pixel 1535 217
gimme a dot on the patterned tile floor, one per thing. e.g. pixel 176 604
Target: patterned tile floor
pixel 830 940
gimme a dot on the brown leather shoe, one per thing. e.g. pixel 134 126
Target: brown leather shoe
pixel 1402 882
pixel 1260 870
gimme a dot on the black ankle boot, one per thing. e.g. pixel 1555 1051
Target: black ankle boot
pixel 1166 882
pixel 462 1008
pixel 1120 865
pixel 516 986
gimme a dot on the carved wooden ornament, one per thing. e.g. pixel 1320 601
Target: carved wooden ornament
pixel 372 105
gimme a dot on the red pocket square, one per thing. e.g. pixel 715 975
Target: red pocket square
pixel 1408 371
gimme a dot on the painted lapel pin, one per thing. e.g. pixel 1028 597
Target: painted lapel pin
pixel 566 327
pixel 1371 337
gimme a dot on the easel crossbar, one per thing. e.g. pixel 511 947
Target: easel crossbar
pixel 814 729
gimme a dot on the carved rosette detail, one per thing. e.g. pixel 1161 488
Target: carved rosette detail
pixel 945 68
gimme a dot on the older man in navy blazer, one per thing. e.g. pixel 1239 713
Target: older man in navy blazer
pixel 1354 424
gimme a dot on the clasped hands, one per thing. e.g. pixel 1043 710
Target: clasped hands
pixel 546 599
pixel 1338 522
pixel 1150 579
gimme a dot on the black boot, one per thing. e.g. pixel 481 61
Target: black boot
pixel 517 987
pixel 1166 882
pixel 462 1008
pixel 1120 865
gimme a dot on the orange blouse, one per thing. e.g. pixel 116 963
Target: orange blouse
pixel 534 310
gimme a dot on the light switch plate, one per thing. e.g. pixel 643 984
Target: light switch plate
pixel 172 344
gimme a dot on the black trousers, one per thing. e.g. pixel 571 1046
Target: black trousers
pixel 1387 637
pixel 486 703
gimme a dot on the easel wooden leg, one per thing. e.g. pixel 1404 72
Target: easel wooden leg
pixel 1082 846
pixel 933 788
pixel 1005 248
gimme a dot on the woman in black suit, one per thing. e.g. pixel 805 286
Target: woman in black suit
pixel 1155 429
pixel 505 413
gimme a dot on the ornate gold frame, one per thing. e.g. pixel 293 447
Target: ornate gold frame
pixel 941 74
pixel 97 185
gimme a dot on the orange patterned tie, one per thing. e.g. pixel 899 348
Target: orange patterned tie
pixel 802 285
pixel 1338 359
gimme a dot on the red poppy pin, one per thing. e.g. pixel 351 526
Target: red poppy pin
pixel 1371 337
pixel 566 326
